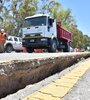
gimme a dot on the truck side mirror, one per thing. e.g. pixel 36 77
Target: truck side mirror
pixel 51 21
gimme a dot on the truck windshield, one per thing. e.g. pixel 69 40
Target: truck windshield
pixel 37 21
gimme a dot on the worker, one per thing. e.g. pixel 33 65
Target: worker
pixel 2 39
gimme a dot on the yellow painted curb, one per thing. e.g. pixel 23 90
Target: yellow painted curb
pixel 42 96
pixel 60 87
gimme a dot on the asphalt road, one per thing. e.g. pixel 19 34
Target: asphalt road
pixel 25 56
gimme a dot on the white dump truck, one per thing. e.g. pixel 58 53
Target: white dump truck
pixel 43 32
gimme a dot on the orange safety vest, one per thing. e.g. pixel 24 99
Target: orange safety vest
pixel 2 38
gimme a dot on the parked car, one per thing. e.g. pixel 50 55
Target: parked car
pixel 13 43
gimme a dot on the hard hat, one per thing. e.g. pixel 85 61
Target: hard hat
pixel 2 30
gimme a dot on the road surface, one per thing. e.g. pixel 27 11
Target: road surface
pixel 25 56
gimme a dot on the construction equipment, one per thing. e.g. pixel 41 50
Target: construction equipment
pixel 43 32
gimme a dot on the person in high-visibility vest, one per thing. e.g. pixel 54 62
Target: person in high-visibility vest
pixel 2 40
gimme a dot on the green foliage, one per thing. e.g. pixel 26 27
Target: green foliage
pixel 12 15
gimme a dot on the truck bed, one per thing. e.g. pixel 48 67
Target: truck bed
pixel 62 33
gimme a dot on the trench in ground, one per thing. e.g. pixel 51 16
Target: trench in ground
pixel 19 74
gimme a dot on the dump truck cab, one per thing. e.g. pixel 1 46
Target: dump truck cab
pixel 37 31
pixel 39 25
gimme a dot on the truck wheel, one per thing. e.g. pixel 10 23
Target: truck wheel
pixel 53 46
pixel 30 50
pixel 67 48
pixel 9 48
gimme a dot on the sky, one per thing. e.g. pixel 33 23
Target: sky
pixel 81 12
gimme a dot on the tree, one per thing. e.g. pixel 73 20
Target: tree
pixel 12 14
pixel 20 9
pixel 3 13
pixel 48 6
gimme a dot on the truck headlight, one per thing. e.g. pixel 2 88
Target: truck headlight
pixel 23 36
